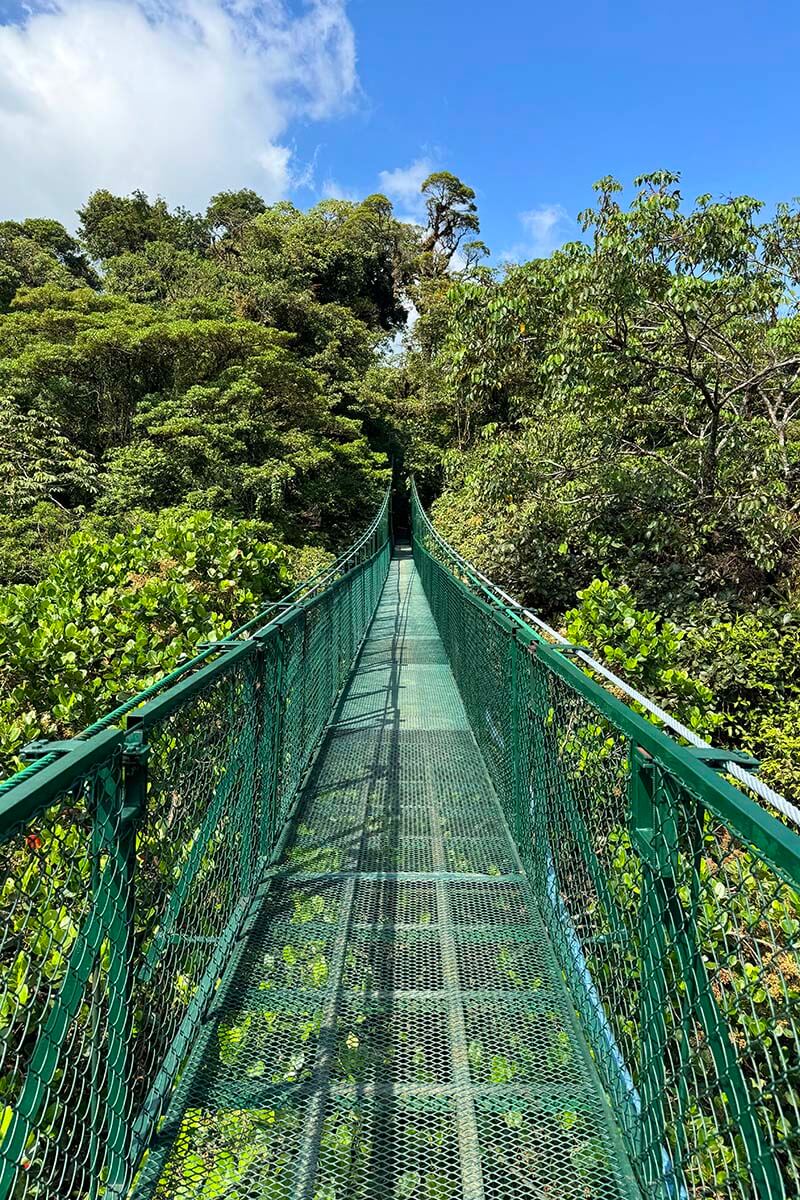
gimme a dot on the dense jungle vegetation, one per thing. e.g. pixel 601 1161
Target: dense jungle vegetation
pixel 198 408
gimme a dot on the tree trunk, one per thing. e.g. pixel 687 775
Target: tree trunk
pixel 708 477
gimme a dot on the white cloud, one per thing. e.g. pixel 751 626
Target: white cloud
pixel 543 223
pixel 546 228
pixel 178 97
pixel 331 190
pixel 402 186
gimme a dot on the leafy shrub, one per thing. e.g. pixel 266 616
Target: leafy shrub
pixel 114 614
pixel 642 647
pixel 751 662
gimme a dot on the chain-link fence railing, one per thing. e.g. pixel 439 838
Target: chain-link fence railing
pixel 671 896
pixel 129 858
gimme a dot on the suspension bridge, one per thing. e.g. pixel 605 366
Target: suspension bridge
pixel 393 893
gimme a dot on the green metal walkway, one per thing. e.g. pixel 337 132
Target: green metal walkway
pixel 397 1026
pixel 391 895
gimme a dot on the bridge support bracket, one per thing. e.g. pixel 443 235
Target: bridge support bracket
pixel 716 757
pixel 42 747
pixel 135 754
pixel 568 649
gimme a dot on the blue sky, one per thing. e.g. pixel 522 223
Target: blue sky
pixel 528 103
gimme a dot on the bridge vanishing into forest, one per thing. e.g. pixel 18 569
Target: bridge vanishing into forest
pixel 394 894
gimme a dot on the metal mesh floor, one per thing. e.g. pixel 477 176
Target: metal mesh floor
pixel 395 1025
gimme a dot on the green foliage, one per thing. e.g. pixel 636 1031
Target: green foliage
pixel 45 480
pixel 751 662
pixel 38 462
pixel 37 252
pixel 662 364
pixel 164 408
pixel 112 225
pixel 629 409
pixel 229 212
pixel 642 647
pixel 224 365
pixel 161 272
pixel 776 736
pixel 112 615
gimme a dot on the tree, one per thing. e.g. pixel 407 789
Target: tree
pixel 171 405
pixel 693 299
pixel 229 212
pixel 45 484
pixel 673 339
pixel 39 462
pixel 38 252
pixel 113 225
pixel 452 214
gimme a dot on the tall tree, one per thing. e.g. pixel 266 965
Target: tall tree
pixel 229 212
pixel 36 252
pixel 452 215
pixel 112 225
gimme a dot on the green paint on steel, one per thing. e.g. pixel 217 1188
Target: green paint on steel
pixel 330 1073
pixel 674 912
pixel 386 896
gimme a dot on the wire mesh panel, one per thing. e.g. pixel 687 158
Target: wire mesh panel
pixel 130 863
pixel 682 944
pixel 62 890
pixel 197 859
pixel 671 901
pixel 396 1023
pixel 459 925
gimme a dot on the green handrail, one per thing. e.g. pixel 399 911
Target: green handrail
pixel 671 896
pixel 131 858
pixel 136 855
pixel 302 593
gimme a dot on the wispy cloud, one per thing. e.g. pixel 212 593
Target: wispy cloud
pixel 402 186
pixel 331 190
pixel 545 228
pixel 181 97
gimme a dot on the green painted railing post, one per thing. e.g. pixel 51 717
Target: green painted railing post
pixel 330 668
pixel 273 747
pixel 653 836
pixel 105 816
pixel 121 821
pixel 694 853
pixel 248 785
pixel 542 824
pixel 304 684
pixel 518 822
